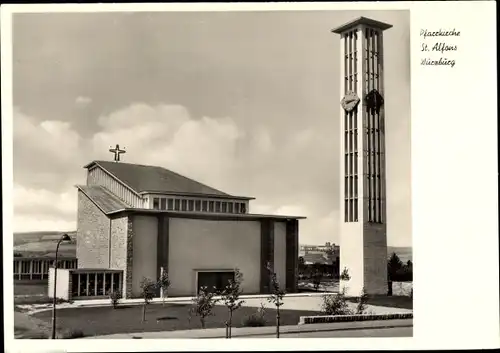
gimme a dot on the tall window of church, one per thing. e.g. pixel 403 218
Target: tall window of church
pixel 217 206
pixel 156 203
pixel 205 206
pixel 237 207
pixel 191 205
pixel 184 205
pixel 230 207
pixel 197 205
pixel 211 206
pixel 163 205
pixel 177 204
pixel 224 207
pixel 170 204
pixel 242 207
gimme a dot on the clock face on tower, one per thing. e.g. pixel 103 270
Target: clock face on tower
pixel 350 101
pixel 374 100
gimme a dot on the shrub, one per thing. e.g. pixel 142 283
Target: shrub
pixel 257 319
pixel 345 276
pixel 115 297
pixel 336 304
pixel 72 333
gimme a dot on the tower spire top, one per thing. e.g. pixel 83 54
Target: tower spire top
pixel 361 21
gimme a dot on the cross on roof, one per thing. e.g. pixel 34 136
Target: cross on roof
pixel 117 151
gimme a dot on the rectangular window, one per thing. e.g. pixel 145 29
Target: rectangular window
pixel 197 205
pixel 191 205
pixel 230 207
pixel 205 206
pixel 184 205
pixel 156 203
pixel 346 164
pixel 243 208
pixel 170 204
pixel 237 207
pixel 177 204
pixel 346 187
pixel 355 165
pixel 346 210
pixel 163 205
pixel 355 210
pixel 211 206
pixel 224 207
pixel 217 206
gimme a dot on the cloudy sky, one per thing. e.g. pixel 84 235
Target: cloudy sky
pixel 246 102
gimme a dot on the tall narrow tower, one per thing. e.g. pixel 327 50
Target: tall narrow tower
pixel 363 238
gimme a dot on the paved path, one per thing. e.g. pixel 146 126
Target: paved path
pixel 377 332
pixel 382 328
pixel 301 301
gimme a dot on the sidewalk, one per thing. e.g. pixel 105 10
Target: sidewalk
pixel 255 332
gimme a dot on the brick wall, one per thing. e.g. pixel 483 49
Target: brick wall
pixel 92 236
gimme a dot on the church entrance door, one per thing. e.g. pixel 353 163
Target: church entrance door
pixel 214 280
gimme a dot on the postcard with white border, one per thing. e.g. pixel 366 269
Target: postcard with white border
pixel 180 172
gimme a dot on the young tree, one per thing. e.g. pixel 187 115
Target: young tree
pixel 230 295
pixel 163 283
pixel 362 300
pixel 203 305
pixel 276 296
pixel 316 279
pixel 147 293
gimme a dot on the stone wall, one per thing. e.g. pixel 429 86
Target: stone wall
pixel 92 236
pixel 402 288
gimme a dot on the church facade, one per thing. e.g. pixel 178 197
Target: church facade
pixel 139 220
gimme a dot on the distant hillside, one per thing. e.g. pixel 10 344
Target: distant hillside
pixel 44 243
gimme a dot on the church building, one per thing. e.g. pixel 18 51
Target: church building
pixel 135 221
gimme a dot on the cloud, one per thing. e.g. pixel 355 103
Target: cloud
pixel 82 101
pixel 216 151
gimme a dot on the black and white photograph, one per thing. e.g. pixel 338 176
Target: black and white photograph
pixel 236 174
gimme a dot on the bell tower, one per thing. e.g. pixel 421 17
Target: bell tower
pixel 363 237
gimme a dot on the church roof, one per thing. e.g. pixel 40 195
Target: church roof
pixel 110 204
pixel 102 198
pixel 154 179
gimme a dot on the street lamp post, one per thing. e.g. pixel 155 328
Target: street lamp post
pixel 65 237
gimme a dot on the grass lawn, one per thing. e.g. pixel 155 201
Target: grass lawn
pixel 400 302
pixel 30 288
pixel 128 319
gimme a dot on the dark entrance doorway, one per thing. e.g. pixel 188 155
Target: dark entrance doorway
pixel 214 280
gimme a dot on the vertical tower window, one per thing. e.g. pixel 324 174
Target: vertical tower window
pixel 156 203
